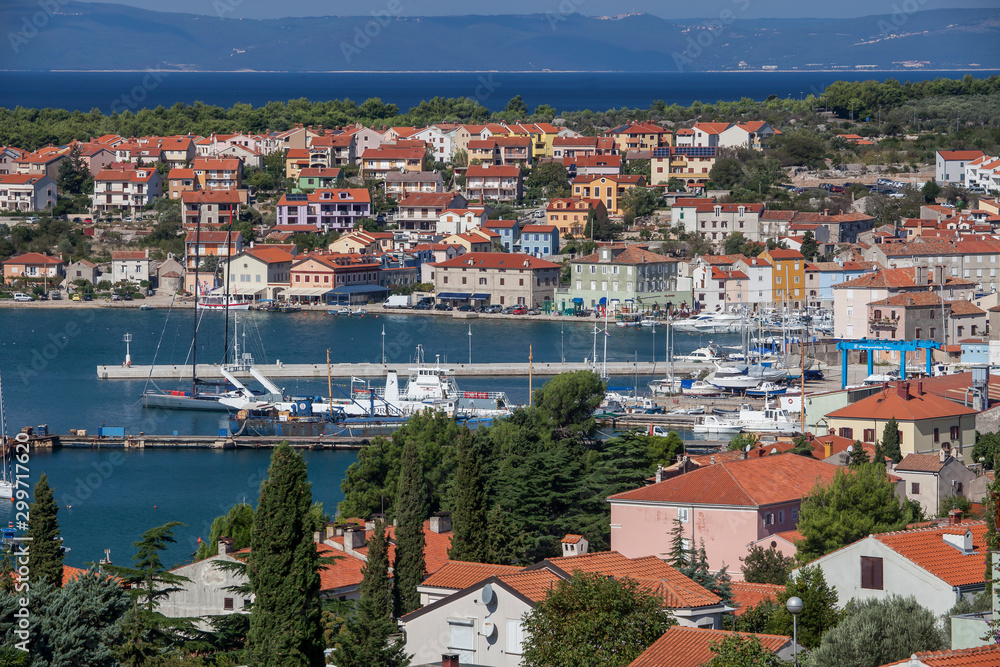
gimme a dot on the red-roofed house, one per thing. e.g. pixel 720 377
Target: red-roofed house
pixel 608 189
pixel 640 136
pixel 321 276
pixel 507 278
pixel 420 212
pixel 261 271
pixel 498 183
pixel 931 478
pixel 211 208
pixel 692 647
pixel 938 565
pixel 623 278
pixel 32 266
pixel 27 192
pixel 337 209
pixel 949 166
pixel 751 134
pixel 727 505
pixel 43 162
pixel 131 265
pixel 570 214
pixel 377 162
pixel 128 189
pixel 926 421
pixel 976 656
pixel 460 220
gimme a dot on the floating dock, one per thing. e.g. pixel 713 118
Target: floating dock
pixel 196 442
pixel 283 370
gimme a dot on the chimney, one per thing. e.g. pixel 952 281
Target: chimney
pixel 659 473
pixel 449 660
pixel 317 536
pixel 441 522
pixel 919 389
pixel 331 530
pixel 826 212
pixel 574 545
pixel 962 542
pixel 955 516
pixel 827 450
pixel 939 274
pixel 920 275
pixel 225 545
pixel 903 389
pixel 354 538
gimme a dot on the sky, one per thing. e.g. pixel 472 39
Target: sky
pixel 666 8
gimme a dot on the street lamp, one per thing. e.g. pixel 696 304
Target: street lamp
pixel 794 606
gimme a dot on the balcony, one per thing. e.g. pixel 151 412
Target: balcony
pixel 883 322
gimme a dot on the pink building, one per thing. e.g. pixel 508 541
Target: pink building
pixel 727 506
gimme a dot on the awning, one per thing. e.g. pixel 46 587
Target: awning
pixel 577 299
pixel 452 296
pixel 220 291
pixel 360 289
pixel 480 297
pixel 603 301
pixel 308 291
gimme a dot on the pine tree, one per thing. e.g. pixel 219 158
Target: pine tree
pixel 470 530
pixel 285 628
pixel 410 508
pixel 890 440
pixel 858 455
pixel 364 640
pixel 879 455
pixel 45 553
pixel 680 556
pixel 507 543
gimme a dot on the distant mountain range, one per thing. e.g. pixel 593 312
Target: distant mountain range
pixel 85 36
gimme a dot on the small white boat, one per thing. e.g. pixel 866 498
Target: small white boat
pixel 360 312
pixel 713 424
pixel 768 420
pixel 649 322
pixel 700 388
pixel 710 353
pixel 147 306
pixel 665 386
pixel 220 303
pixel 767 389
pixel 688 411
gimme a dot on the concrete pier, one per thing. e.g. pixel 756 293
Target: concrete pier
pixel 283 370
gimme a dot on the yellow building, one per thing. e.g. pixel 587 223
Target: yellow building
pixel 926 422
pixel 607 189
pixel 788 276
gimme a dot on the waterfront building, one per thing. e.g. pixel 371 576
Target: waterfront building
pixel 505 279
pixel 27 192
pixel 32 266
pixel 623 277
pixel 324 277
pixel 82 270
pixel 260 272
pixel 540 240
pixel 788 273
pixel 208 243
pixel 134 266
pixel 718 283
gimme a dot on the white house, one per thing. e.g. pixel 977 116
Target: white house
pixel 132 265
pixel 949 166
pixel 937 565
pixel 27 192
pixel 206 593
pixel 460 220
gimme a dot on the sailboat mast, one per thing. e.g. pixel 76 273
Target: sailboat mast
pixel 197 285
pixel 229 271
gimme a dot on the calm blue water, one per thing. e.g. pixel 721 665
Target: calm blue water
pixel 83 91
pixel 48 360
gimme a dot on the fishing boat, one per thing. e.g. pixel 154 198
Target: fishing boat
pixel 643 406
pixel 767 389
pixel 221 303
pixel 6 477
pixel 768 420
pixel 699 388
pixel 699 410
pixel 714 424
pixel 709 353
pixel 665 386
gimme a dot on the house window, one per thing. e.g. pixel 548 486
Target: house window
pixel 227 603
pixel 768 519
pixel 246 603
pixel 515 637
pixel 462 634
pixel 937 436
pixel 871 573
pixel 847 433
pixel 914 488
pixel 795 515
pixel 869 435
pixel 683 514
pixel 954 433
pixel 781 516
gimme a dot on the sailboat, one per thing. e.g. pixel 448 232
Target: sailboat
pixel 6 478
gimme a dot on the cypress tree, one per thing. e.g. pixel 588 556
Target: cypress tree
pixel 410 508
pixel 45 553
pixel 890 440
pixel 470 530
pixel 365 637
pixel 285 628
pixel 879 455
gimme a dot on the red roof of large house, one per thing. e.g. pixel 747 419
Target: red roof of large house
pixel 927 549
pixel 960 155
pixel 457 574
pixel 33 258
pixel 497 260
pixel 747 595
pixel 987 655
pixel 692 647
pixel 906 401
pixel 747 483
pixel 487 170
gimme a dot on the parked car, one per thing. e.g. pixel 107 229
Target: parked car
pixel 127 297
pixel 443 306
pixel 21 296
pixel 43 296
pixel 422 306
pixel 116 297
pixel 76 219
pixel 492 309
pixel 532 311
pixel 519 310
pixel 76 297
pixel 57 296
pixel 835 189
pixel 88 297
pixel 466 308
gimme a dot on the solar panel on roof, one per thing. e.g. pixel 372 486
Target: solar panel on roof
pixel 296 197
pixel 661 152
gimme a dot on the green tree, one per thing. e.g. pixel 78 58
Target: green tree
pixel 237 523
pixel 890 440
pixel 507 543
pixel 469 524
pixel 45 554
pixel 987 449
pixel 955 502
pixel 742 651
pixel 859 456
pixel 809 248
pixel 766 566
pixel 930 191
pixel 590 619
pixel 548 179
pixel 283 569
pixel 365 638
pixel 726 173
pixel 73 173
pixel 857 503
pixel 640 201
pixel 819 607
pixel 877 632
pixel 516 109
pixel 802 447
pixel 758 617
pixel 410 511
pixel 663 451
pixel 740 442
pixel 566 403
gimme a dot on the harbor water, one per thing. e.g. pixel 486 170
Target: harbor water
pixel 108 497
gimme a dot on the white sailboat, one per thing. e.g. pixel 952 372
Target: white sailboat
pixel 6 478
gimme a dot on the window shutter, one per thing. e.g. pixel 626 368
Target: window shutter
pixel 877 573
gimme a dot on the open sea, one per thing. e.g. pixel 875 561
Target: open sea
pixel 570 91
pixel 108 497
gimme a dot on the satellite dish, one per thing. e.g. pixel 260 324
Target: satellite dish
pixel 747 448
pixel 489 628
pixel 487 595
pixel 850 448
pixel 774 450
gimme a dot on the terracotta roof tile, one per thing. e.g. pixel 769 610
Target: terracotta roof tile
pixel 747 595
pixel 749 483
pixel 458 574
pixel 920 463
pixel 691 647
pixel 927 549
pixel 497 260
pixel 532 584
pixel 889 403
pixel 978 656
